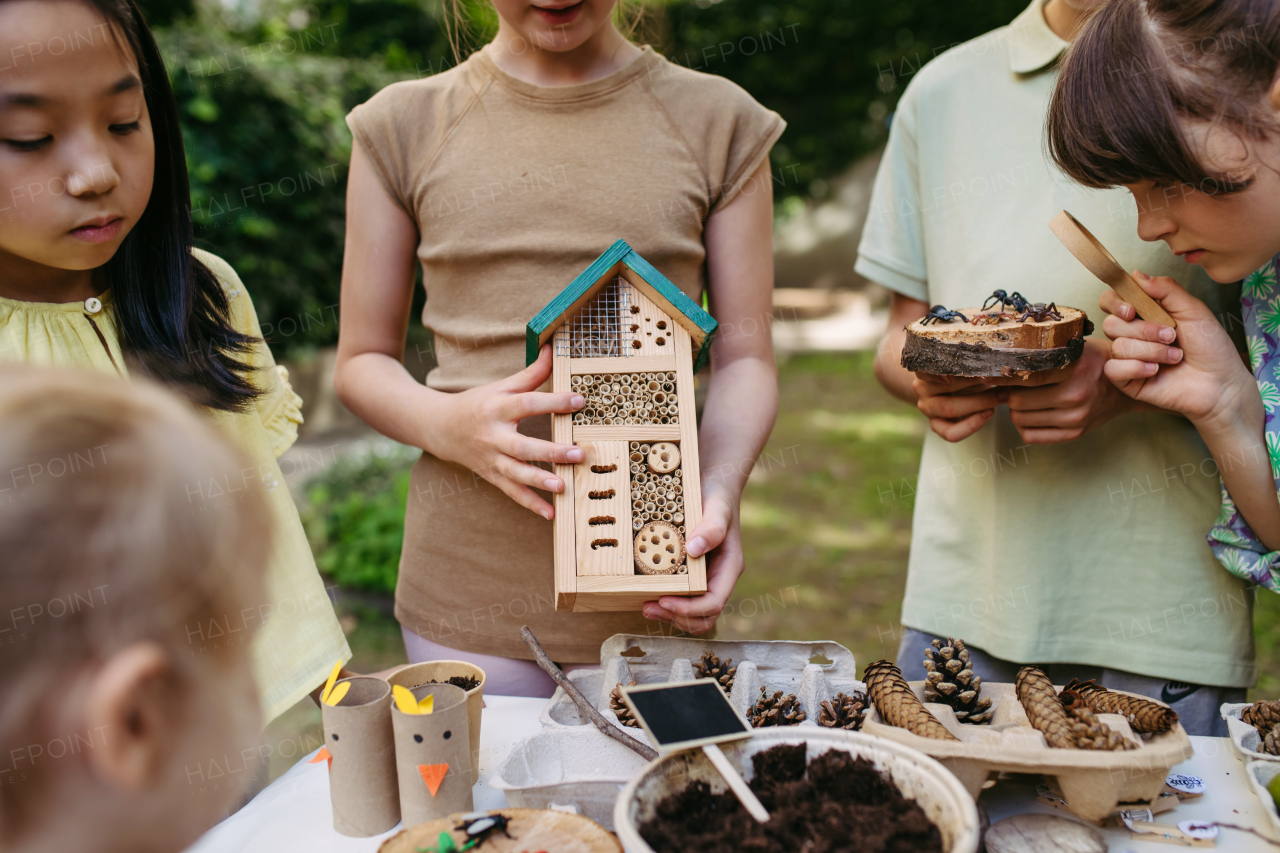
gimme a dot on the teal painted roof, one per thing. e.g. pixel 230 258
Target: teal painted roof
pixel 554 314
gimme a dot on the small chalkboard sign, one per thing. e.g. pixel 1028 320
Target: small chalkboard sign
pixel 685 715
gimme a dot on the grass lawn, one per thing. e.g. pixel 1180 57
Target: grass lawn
pixel 826 541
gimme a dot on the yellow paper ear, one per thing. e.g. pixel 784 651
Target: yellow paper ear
pixel 404 699
pixel 427 704
pixel 328 685
pixel 336 694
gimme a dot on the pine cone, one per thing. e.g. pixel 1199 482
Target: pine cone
pixel 712 667
pixel 1270 742
pixel 898 705
pixel 619 706
pixel 1144 715
pixel 775 710
pixel 951 681
pixel 846 712
pixel 1044 710
pixel 1087 730
pixel 1262 715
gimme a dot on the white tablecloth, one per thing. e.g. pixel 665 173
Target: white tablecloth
pixel 294 813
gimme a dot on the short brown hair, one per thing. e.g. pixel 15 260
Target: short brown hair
pixel 1141 67
pixel 99 544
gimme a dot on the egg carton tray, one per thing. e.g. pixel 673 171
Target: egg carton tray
pixel 1093 782
pixel 813 671
pixel 1261 774
pixel 559 768
pixel 572 764
pixel 1244 737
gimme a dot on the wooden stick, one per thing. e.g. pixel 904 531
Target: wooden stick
pixel 736 783
pixel 1248 830
pixel 645 751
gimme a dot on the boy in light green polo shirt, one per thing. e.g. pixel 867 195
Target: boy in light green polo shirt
pixel 1056 523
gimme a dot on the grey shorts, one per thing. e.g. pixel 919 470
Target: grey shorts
pixel 1197 704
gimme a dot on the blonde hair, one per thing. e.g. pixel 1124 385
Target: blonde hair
pixel 471 24
pixel 103 545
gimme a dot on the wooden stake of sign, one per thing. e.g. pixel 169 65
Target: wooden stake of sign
pixel 1101 263
pixel 683 716
pixel 736 783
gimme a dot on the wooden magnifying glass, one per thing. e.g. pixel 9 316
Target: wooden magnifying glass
pixel 1101 263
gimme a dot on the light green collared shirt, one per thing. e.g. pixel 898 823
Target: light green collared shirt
pixel 1092 551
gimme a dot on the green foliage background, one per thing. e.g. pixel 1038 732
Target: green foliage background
pixel 354 517
pixel 264 95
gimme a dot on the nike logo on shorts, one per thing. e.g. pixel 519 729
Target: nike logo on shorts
pixel 1176 691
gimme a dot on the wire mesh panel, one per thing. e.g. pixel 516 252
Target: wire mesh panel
pixel 596 331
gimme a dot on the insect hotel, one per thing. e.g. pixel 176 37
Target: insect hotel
pixel 629 341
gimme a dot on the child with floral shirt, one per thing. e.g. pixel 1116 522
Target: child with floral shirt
pixel 1189 123
pixel 1234 543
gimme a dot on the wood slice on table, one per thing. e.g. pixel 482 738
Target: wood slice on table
pixel 531 830
pixel 1009 348
pixel 1038 833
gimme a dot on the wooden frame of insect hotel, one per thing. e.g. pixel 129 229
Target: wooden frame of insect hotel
pixel 629 341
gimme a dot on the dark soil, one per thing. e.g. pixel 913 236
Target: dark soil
pixel 843 804
pixel 466 682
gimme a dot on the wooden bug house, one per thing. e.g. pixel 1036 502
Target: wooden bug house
pixel 629 341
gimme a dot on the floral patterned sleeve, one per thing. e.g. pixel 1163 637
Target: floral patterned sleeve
pixel 1233 543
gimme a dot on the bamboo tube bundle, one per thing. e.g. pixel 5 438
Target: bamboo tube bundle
pixel 626 399
pixel 654 496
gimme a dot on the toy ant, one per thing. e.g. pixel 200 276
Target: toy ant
pixel 939 314
pixel 1041 312
pixel 1014 300
pixel 477 826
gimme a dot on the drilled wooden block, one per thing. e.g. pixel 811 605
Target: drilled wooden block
pixel 649 327
pixel 602 503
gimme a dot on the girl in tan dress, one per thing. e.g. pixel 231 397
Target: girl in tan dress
pixel 506 176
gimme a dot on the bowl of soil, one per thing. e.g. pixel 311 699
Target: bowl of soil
pixel 826 790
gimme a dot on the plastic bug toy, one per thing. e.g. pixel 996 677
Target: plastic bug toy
pixel 939 314
pixel 1014 300
pixel 1041 312
pixel 479 826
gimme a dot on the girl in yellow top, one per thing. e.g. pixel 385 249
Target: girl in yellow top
pixel 504 178
pixel 97 271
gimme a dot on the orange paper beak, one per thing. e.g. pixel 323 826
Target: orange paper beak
pixel 323 755
pixel 433 775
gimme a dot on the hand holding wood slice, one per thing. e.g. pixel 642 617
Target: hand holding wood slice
pixel 1009 347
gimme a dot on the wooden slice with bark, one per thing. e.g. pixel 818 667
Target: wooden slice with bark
pixel 1007 348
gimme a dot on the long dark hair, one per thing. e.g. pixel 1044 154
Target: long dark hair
pixel 1140 68
pixel 171 313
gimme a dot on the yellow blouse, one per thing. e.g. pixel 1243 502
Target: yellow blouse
pixel 298 638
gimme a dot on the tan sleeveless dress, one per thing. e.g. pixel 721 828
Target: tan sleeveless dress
pixel 515 189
